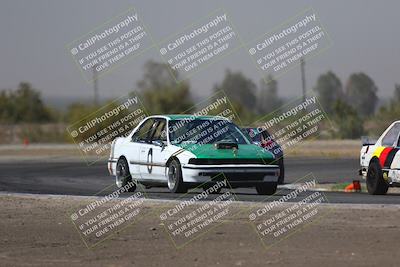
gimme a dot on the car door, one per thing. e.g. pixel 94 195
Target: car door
pixel 154 154
pixel 133 147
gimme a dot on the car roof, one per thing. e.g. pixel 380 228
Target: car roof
pixel 187 116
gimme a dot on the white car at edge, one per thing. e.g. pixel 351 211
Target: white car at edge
pixel 380 161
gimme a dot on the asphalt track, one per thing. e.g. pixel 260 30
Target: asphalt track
pixel 77 178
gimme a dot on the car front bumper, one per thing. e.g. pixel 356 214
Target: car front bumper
pixel 112 166
pixel 244 174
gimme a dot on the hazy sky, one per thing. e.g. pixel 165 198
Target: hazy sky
pixel 34 33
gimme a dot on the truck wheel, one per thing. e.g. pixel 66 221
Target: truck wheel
pixel 175 180
pixel 281 178
pixel 123 176
pixel 375 183
pixel 266 188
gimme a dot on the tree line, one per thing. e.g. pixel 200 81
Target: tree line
pixel 351 107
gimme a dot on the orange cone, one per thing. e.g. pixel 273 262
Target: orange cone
pixel 349 188
pixel 355 186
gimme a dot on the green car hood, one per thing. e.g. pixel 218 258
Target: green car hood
pixel 209 151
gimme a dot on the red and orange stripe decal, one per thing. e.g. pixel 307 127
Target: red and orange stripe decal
pixel 385 156
pixel 390 157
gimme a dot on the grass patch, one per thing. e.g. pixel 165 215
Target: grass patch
pixel 339 186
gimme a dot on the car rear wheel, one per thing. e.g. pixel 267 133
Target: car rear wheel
pixel 123 176
pixel 376 185
pixel 175 180
pixel 266 188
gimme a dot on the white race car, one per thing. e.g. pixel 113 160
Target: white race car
pixel 185 151
pixel 380 161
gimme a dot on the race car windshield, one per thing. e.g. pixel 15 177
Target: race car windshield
pixel 258 135
pixel 201 131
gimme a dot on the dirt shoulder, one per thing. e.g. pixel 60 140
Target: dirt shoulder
pixel 38 231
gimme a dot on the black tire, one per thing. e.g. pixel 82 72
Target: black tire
pixel 266 188
pixel 207 186
pixel 175 180
pixel 376 185
pixel 123 175
pixel 281 178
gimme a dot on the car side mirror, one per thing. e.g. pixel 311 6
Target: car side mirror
pixel 158 143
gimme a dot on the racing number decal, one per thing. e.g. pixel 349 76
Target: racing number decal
pixel 150 160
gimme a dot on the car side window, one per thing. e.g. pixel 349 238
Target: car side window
pixel 391 136
pixel 144 132
pixel 160 133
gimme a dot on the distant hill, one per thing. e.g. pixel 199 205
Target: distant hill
pixel 61 103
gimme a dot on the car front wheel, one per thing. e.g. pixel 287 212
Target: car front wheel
pixel 175 180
